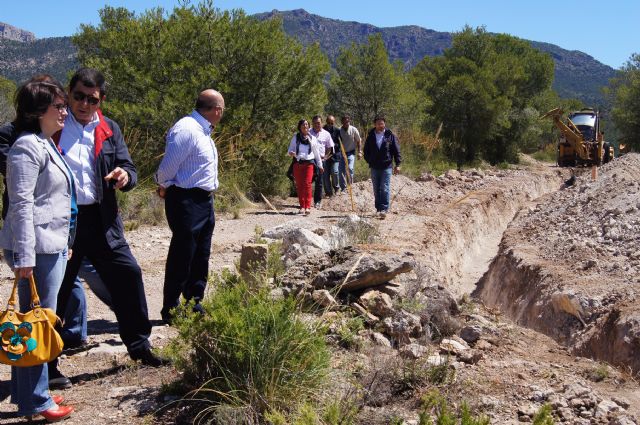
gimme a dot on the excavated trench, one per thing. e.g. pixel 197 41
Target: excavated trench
pixel 582 291
pixel 463 238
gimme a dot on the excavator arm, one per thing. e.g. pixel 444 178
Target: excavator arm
pixel 570 132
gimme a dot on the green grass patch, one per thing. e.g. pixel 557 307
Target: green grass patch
pixel 436 410
pixel 547 154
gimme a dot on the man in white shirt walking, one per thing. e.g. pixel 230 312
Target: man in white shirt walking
pixel 325 148
pixel 187 178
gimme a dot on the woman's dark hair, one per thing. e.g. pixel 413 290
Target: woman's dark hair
pixel 301 122
pixel 89 77
pixel 32 101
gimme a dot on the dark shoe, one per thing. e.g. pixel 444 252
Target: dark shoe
pixel 57 381
pixel 55 414
pixel 147 358
pixel 197 308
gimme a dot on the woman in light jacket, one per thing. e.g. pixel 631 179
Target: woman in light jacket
pixel 39 226
pixel 304 148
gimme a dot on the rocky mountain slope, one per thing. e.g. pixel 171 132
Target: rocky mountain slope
pixel 577 75
pixel 21 60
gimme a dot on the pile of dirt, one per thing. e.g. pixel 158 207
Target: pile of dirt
pixel 569 267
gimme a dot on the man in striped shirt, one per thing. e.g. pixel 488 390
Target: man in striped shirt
pixel 187 178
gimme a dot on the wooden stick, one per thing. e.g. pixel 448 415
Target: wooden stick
pixel 269 203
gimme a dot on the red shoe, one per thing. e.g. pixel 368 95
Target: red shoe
pixel 57 413
pixel 57 399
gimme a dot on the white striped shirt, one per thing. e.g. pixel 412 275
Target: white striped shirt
pixel 78 148
pixel 190 158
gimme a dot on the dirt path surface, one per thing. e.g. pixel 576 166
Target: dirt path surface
pixel 452 225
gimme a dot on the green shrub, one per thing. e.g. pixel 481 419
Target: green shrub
pixel 435 406
pixel 348 332
pixel 543 417
pixel 248 351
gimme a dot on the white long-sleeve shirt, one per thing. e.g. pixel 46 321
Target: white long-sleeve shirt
pixel 308 152
pixel 191 158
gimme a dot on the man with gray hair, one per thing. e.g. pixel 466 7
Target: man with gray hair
pixel 187 178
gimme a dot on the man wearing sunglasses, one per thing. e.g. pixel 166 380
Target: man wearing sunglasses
pixel 94 148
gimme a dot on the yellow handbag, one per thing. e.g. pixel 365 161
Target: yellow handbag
pixel 28 339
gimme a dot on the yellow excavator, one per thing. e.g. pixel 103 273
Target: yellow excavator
pixel 582 143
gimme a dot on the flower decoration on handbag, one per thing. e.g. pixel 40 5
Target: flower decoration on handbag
pixel 17 340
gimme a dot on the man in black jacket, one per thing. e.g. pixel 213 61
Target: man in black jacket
pixel 330 177
pixel 381 149
pixel 94 149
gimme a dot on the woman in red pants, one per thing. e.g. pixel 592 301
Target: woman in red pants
pixel 304 148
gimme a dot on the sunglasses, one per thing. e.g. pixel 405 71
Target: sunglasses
pixel 60 106
pixel 81 97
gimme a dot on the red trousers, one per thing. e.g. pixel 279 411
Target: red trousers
pixel 303 175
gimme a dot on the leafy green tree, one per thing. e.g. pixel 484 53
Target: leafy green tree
pixel 483 90
pixel 365 83
pixel 157 62
pixel 7 90
pixel 625 90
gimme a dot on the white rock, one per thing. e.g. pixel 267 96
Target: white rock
pixel 413 351
pixel 306 238
pixel 380 339
pixel 452 346
pixel 323 298
pixel 605 407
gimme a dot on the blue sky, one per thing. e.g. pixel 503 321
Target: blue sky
pixel 606 30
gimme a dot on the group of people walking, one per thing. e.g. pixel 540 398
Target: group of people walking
pixel 64 161
pixel 328 155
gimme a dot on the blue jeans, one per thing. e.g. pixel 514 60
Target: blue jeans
pixel 381 180
pixel 30 385
pixel 351 158
pixel 330 176
pixel 74 331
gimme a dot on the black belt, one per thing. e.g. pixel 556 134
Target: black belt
pixel 192 191
pixel 305 161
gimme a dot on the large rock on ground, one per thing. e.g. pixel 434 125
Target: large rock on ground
pixel 298 242
pixel 305 238
pixel 377 303
pixel 371 270
pixel 402 327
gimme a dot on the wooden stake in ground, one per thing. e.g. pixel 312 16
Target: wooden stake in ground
pixel 269 203
pixel 350 177
pixel 594 172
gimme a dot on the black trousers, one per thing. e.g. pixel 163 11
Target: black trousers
pixel 317 189
pixel 191 219
pixel 120 273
